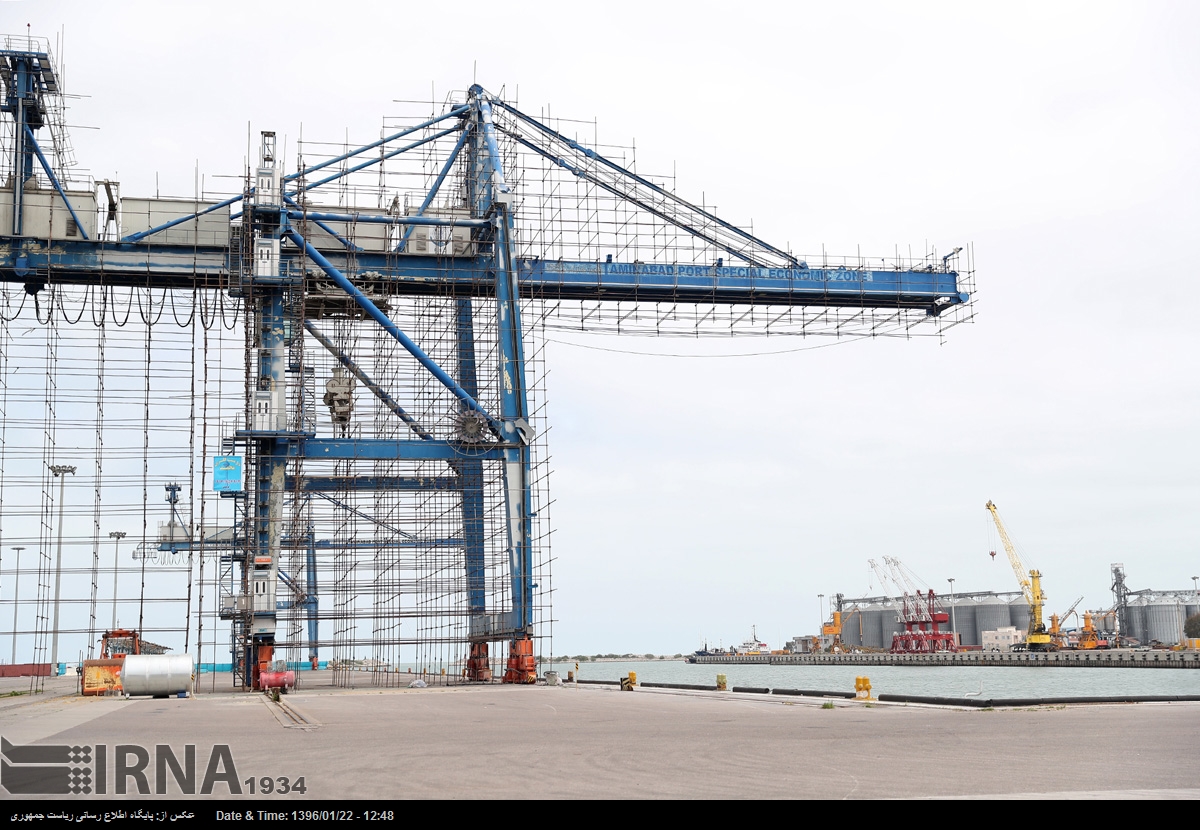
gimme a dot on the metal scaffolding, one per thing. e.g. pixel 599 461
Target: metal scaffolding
pixel 362 338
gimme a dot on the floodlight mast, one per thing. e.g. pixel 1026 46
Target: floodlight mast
pixel 116 536
pixel 16 601
pixel 60 471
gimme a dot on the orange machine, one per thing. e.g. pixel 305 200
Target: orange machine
pixel 103 675
pixel 1089 638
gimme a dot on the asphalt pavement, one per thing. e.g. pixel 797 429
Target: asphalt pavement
pixel 571 742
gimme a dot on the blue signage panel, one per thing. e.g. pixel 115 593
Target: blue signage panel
pixel 885 286
pixel 227 473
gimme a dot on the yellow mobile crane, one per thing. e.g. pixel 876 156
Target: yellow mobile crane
pixel 831 631
pixel 1037 638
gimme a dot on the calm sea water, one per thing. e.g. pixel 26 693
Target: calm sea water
pixel 937 681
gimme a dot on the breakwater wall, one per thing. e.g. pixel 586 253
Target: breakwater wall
pixel 927 700
pixel 1117 659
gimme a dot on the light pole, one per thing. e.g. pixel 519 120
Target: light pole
pixel 820 611
pixel 116 536
pixel 1196 591
pixel 16 595
pixel 950 579
pixel 60 472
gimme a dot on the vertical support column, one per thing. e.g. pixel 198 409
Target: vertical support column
pixel 271 473
pixel 492 197
pixel 19 154
pixel 269 412
pixel 514 409
pixel 470 472
pixel 26 112
pixel 310 595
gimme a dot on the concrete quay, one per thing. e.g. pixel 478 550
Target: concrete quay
pixel 1117 659
pixel 589 741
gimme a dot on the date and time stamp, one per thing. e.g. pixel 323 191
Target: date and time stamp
pixel 305 815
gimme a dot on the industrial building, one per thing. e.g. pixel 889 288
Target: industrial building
pixel 1151 616
pixel 873 621
pixel 909 622
pixel 1158 616
pixel 1002 639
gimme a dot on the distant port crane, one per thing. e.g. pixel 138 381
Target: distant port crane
pixel 1058 621
pixel 1037 638
pixel 920 613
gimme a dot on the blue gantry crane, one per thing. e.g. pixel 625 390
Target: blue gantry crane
pixel 484 239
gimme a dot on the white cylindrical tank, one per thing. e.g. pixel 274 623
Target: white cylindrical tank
pixel 889 622
pixel 853 628
pixel 873 627
pixel 157 674
pixel 964 621
pixel 1190 609
pixel 1137 620
pixel 1164 620
pixel 1105 621
pixel 1018 614
pixel 991 614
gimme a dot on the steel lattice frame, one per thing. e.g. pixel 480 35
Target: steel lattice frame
pixel 387 301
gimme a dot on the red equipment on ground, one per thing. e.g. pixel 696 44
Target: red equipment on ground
pixel 522 665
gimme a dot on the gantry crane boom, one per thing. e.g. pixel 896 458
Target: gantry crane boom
pixel 1071 610
pixel 1057 621
pixel 903 577
pixel 1014 558
pixel 1037 638
pixel 880 575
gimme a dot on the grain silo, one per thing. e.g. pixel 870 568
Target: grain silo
pixel 964 621
pixel 991 614
pixel 1164 620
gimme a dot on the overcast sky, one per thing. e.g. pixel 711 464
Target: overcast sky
pixel 698 497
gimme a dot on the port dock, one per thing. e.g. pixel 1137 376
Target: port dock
pixel 1116 659
pixel 571 742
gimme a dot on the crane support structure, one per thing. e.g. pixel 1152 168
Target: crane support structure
pixel 1057 621
pixel 1038 638
pixel 921 615
pixel 330 287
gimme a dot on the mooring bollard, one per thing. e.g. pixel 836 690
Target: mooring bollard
pixel 720 682
pixel 862 688
pixel 627 682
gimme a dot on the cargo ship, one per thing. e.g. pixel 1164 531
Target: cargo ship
pixel 752 645
pixel 749 646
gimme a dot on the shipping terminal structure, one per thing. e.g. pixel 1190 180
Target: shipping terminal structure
pixel 1141 617
pixel 304 419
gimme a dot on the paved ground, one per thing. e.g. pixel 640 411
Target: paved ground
pixel 573 742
